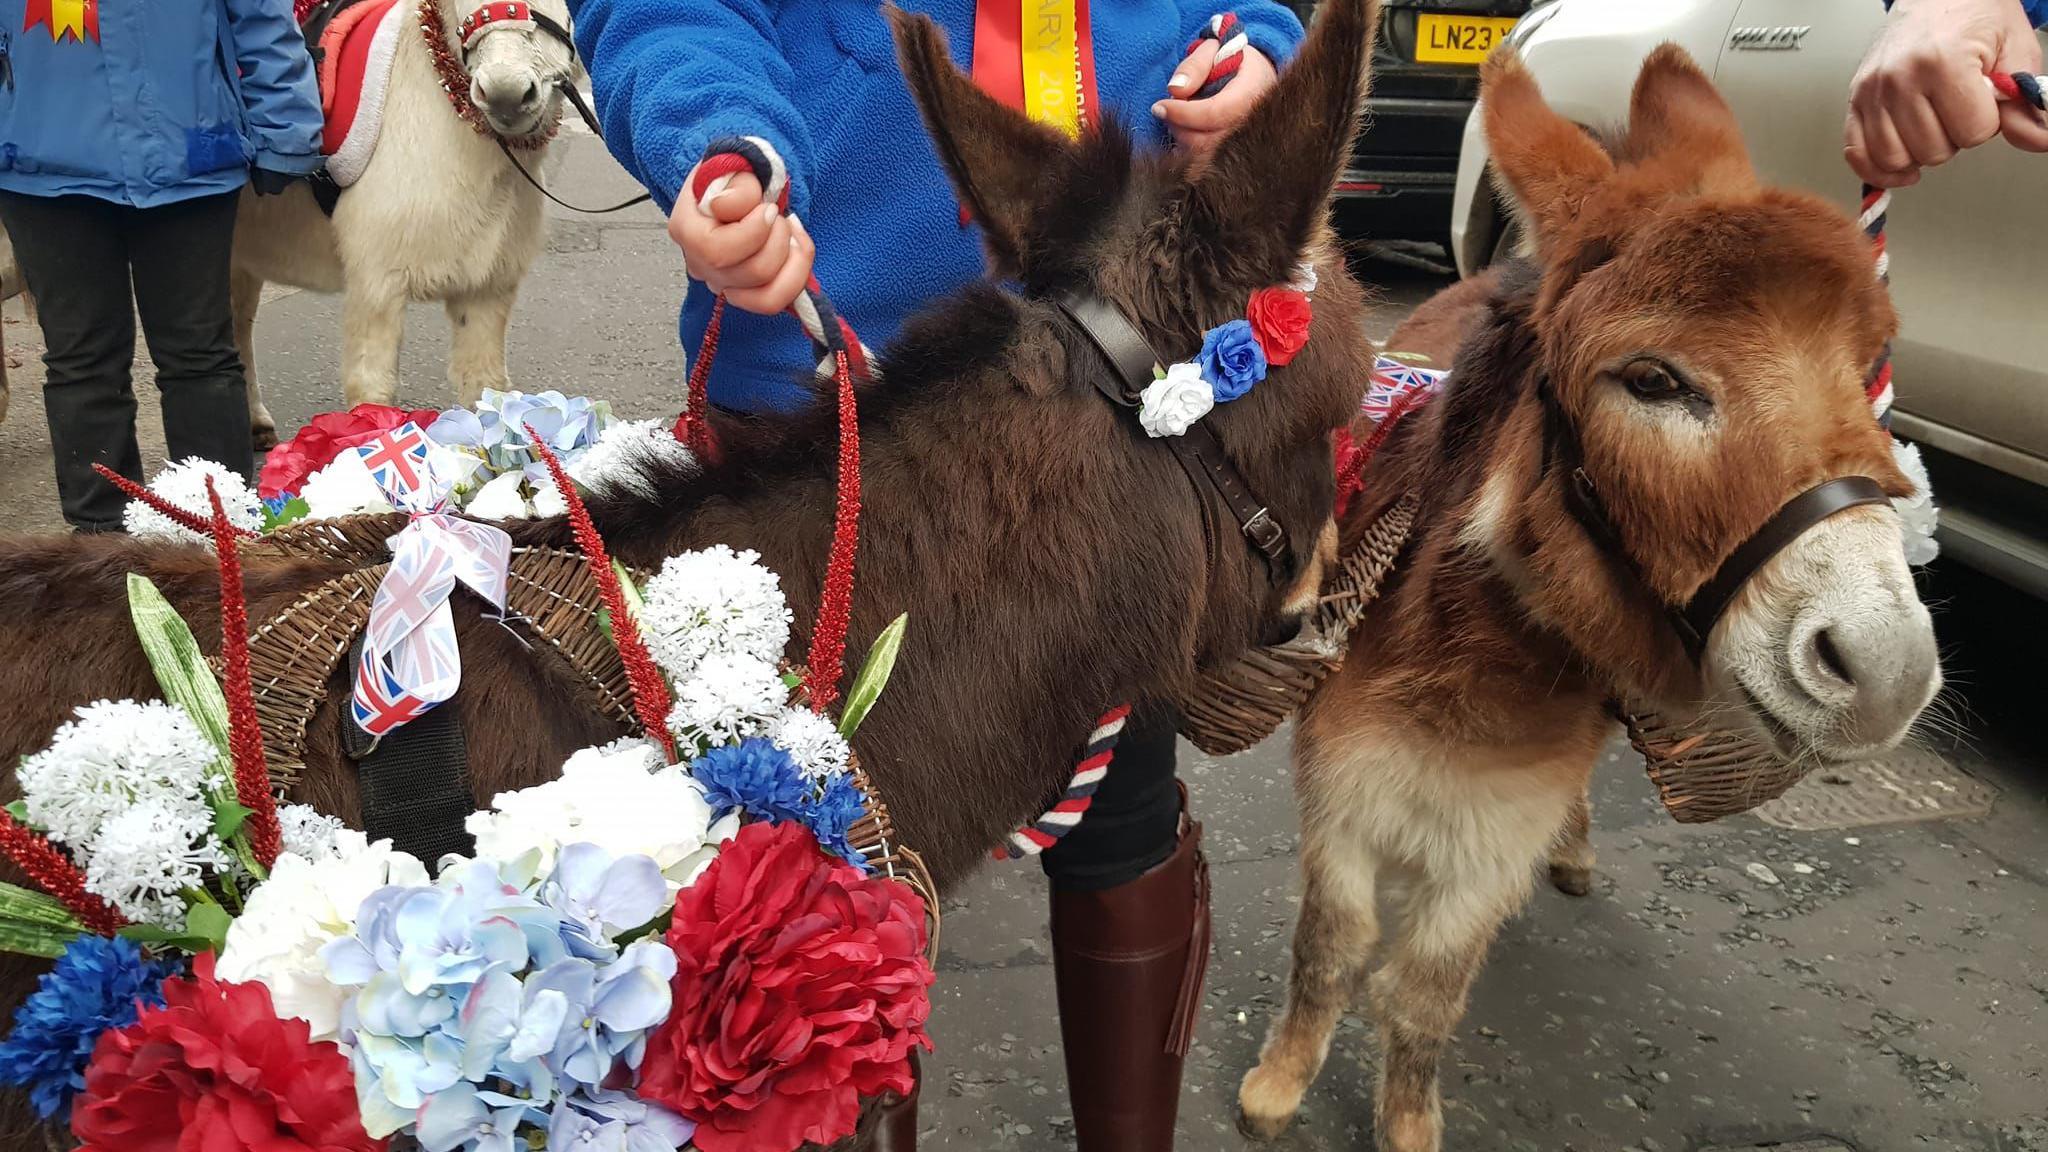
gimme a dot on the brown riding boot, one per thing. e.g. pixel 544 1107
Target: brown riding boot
pixel 1129 963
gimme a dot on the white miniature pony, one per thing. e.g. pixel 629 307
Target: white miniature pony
pixel 438 213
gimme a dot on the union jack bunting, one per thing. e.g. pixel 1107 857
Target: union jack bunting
pixel 1392 381
pixel 410 660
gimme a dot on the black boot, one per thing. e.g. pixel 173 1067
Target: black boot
pixel 1129 964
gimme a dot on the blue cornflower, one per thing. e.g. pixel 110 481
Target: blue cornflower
pixel 756 777
pixel 831 817
pixel 98 984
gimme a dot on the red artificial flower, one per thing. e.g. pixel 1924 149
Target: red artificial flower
pixel 325 437
pixel 214 1069
pixel 1280 319
pixel 801 986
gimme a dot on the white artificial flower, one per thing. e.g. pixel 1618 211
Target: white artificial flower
pixel 343 488
pixel 728 698
pixel 184 484
pixel 500 499
pixel 620 797
pixel 114 755
pixel 1917 514
pixel 621 460
pixel 813 741
pixel 148 853
pixel 1305 279
pixel 308 832
pixel 305 904
pixel 714 601
pixel 1171 404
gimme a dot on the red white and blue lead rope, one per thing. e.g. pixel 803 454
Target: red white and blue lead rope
pixel 1079 796
pixel 1228 32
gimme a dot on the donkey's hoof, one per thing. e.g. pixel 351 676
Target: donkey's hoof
pixel 1571 879
pixel 1265 1107
pixel 263 437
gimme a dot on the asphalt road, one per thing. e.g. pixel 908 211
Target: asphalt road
pixel 1882 988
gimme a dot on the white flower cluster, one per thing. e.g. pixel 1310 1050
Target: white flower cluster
pixel 813 741
pixel 124 787
pixel 619 795
pixel 727 699
pixel 184 485
pixel 714 602
pixel 1917 513
pixel 310 833
pixel 617 463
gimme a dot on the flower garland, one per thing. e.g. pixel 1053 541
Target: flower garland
pixel 1235 357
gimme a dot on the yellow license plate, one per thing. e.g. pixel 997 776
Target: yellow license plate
pixel 1444 39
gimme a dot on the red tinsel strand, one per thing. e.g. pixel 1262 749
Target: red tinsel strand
pixel 454 81
pixel 245 735
pixel 650 691
pixel 691 427
pixel 835 603
pixel 54 873
pixel 183 518
pixel 1352 479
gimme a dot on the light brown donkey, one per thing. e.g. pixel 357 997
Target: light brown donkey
pixel 1686 353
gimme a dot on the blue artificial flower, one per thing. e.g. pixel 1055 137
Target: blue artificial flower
pixel 600 897
pixel 609 1120
pixel 1232 360
pixel 97 984
pixel 831 817
pixel 756 777
pixel 463 1117
pixel 275 504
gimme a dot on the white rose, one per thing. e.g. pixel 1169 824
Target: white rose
pixel 343 488
pixel 500 499
pixel 1172 403
pixel 290 917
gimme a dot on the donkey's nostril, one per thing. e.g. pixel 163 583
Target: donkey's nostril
pixel 1829 657
pixel 532 95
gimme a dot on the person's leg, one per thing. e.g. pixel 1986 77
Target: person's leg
pixel 180 254
pixel 74 258
pixel 1130 935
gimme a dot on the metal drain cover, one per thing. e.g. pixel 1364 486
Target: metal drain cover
pixel 1909 785
pixel 1793 1146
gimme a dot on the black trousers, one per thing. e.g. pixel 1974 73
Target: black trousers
pixel 85 260
pixel 1134 823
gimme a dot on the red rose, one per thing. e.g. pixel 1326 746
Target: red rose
pixel 215 1069
pixel 325 437
pixel 1280 319
pixel 801 986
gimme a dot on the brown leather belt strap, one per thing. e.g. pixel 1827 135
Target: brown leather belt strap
pixel 1197 449
pixel 1805 510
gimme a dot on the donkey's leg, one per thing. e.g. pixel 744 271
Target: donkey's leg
pixel 476 343
pixel 1572 857
pixel 1333 941
pixel 372 327
pixel 246 291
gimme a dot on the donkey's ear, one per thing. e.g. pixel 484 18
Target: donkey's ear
pixel 1677 120
pixel 1548 162
pixel 1268 186
pixel 998 157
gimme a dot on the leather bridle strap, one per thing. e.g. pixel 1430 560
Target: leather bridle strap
pixel 1695 619
pixel 1200 454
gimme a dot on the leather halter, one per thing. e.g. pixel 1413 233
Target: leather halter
pixel 1200 453
pixel 1693 620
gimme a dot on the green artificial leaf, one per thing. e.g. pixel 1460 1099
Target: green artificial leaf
pixel 292 509
pixel 19 810
pixel 604 624
pixel 47 941
pixel 208 923
pixel 874 676
pixel 174 655
pixel 792 681
pixel 28 906
pixel 228 818
pixel 636 603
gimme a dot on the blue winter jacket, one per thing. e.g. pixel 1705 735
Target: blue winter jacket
pixel 818 79
pixel 174 99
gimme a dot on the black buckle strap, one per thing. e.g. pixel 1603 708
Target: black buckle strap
pixel 1197 449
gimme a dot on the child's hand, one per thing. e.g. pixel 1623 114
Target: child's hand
pixel 759 258
pixel 1198 125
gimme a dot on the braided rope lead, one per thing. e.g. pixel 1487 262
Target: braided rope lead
pixel 1079 796
pixel 1228 32
pixel 1877 388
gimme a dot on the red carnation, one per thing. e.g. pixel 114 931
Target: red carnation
pixel 801 986
pixel 215 1069
pixel 1280 319
pixel 325 437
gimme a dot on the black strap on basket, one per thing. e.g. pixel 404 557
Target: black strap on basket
pixel 415 781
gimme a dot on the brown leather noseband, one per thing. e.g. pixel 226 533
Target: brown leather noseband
pixel 1693 620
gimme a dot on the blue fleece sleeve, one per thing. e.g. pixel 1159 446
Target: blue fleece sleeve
pixel 1269 26
pixel 670 78
pixel 280 96
pixel 2037 11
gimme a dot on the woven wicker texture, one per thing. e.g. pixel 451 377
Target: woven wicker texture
pixel 1703 772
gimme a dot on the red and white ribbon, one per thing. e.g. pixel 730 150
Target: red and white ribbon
pixel 410 661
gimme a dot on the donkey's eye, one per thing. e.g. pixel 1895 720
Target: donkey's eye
pixel 1654 380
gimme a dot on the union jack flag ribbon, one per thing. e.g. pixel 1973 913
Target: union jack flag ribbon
pixel 1393 381
pixel 410 661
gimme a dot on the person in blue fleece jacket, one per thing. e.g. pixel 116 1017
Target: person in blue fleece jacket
pixel 816 83
pixel 1921 95
pixel 127 131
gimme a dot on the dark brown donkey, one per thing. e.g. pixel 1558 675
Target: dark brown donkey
pixel 1052 559
pixel 1690 346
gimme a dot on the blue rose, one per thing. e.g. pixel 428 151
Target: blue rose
pixel 1232 360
